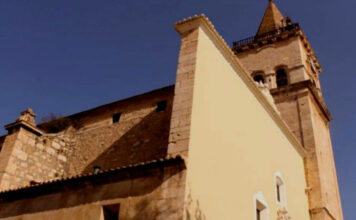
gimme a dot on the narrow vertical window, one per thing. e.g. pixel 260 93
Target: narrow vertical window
pixel 280 191
pixel 261 211
pixel 111 212
pixel 161 106
pixel 282 79
pixel 116 118
pixel 258 214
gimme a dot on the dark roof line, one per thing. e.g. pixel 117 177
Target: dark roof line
pixel 153 163
pixel 81 113
pixel 122 100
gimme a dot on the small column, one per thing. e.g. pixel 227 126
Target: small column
pixel 271 80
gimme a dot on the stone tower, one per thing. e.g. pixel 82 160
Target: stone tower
pixel 280 56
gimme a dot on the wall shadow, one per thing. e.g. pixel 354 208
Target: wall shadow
pixel 147 140
pixel 137 183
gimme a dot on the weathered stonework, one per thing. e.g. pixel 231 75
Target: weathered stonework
pixel 183 99
pixel 180 152
pixel 30 157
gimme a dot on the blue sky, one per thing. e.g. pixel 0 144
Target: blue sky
pixel 64 56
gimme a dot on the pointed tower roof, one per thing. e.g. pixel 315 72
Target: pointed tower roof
pixel 271 20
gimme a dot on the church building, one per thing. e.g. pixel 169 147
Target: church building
pixel 242 134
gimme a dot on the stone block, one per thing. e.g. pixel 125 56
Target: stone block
pixel 20 154
pixel 62 158
pixel 56 145
pixel 51 151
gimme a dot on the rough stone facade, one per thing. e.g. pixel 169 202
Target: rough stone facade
pixel 32 159
pixel 140 135
pixel 182 108
pixel 88 140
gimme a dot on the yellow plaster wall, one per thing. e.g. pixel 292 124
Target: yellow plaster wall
pixel 235 147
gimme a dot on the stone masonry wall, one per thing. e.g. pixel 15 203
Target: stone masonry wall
pixel 31 158
pixel 90 139
pixel 325 160
pixel 183 99
pixel 267 59
pixel 140 135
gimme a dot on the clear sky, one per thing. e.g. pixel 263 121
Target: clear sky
pixel 65 56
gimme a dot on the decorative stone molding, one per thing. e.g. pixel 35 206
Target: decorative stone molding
pixel 27 121
pixel 28 116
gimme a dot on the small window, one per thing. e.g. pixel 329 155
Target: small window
pixel 261 211
pixel 116 118
pixel 280 191
pixel 261 207
pixel 282 79
pixel 259 78
pixel 111 212
pixel 161 106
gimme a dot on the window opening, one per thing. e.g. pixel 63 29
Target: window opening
pixel 259 78
pixel 280 191
pixel 161 106
pixel 111 212
pixel 261 211
pixel 116 117
pixel 282 79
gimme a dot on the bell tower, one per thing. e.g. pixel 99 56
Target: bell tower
pixel 280 56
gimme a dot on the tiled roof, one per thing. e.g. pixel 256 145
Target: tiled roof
pixel 271 20
pixel 178 160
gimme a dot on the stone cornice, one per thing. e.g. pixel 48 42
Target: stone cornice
pixel 24 125
pixel 201 21
pixel 261 44
pixel 95 178
pixel 322 209
pixel 309 85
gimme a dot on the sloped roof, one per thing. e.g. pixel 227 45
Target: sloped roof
pixel 66 183
pixel 271 20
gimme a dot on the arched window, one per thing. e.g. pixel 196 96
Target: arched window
pixel 259 78
pixel 280 190
pixel 282 78
pixel 261 207
pixel 261 211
